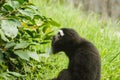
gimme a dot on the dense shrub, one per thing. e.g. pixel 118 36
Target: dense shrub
pixel 23 33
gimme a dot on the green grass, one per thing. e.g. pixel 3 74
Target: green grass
pixel 101 33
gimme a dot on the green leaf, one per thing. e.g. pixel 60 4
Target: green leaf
pixel 9 45
pixel 8 7
pixel 15 74
pixel 22 1
pixel 4 75
pixel 27 12
pixel 3 37
pixel 15 4
pixel 45 27
pixel 54 23
pixel 10 27
pixel 22 54
pixel 33 55
pixel 12 4
pixel 1 57
pixel 21 45
pixel 36 16
pixel 13 17
pixel 32 7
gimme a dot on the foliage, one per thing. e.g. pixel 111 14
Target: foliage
pixel 23 33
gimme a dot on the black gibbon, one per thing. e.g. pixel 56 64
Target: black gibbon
pixel 84 58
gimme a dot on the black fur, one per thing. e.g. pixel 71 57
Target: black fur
pixel 84 59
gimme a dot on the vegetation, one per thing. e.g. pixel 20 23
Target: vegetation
pixel 23 33
pixel 22 45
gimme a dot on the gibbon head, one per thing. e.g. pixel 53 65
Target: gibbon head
pixel 66 39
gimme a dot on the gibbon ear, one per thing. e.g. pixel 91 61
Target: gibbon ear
pixel 61 32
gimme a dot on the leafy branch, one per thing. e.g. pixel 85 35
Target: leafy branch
pixel 23 30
